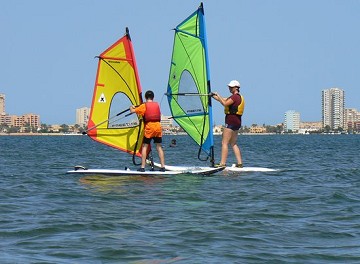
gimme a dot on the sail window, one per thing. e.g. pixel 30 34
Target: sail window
pixel 116 106
pixel 191 104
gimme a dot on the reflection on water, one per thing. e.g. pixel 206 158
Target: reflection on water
pixel 117 184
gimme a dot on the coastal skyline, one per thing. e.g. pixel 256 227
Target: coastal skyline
pixel 83 113
pixel 283 53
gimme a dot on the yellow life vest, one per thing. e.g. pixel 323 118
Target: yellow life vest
pixel 237 110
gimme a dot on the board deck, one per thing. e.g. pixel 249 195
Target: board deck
pixel 127 172
pixel 191 169
pixel 233 168
pixel 248 169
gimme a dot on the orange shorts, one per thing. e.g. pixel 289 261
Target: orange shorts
pixel 153 129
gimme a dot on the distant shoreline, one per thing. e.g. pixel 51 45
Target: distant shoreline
pixel 39 134
pixel 179 134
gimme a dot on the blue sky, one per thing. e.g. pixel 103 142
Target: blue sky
pixel 284 53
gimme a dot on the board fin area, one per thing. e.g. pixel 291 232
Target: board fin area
pixel 79 167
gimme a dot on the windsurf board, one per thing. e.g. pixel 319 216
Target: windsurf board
pixel 191 169
pixel 233 168
pixel 210 170
pixel 128 172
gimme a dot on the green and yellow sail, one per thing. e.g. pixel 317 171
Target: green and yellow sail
pixel 117 86
pixel 188 88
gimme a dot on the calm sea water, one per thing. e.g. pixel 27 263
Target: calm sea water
pixel 306 212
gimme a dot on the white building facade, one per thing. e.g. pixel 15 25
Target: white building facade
pixel 82 116
pixel 2 104
pixel 333 108
pixel 292 121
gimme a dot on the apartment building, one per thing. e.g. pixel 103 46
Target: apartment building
pixel 82 116
pixel 333 107
pixel 292 121
pixel 2 104
pixel 352 119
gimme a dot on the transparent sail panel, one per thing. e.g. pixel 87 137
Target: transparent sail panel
pixel 190 104
pixel 118 104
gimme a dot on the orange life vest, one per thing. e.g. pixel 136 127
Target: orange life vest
pixel 152 113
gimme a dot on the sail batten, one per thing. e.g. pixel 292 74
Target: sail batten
pixel 117 86
pixel 188 91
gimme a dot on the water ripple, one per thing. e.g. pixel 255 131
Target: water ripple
pixel 308 211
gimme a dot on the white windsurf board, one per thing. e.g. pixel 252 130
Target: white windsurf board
pixel 127 172
pixel 191 169
pixel 233 168
pixel 115 172
pixel 210 170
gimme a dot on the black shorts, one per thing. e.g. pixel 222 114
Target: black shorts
pixel 156 140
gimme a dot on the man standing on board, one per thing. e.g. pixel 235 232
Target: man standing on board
pixel 150 111
pixel 234 108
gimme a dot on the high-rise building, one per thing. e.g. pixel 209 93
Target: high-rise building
pixel 2 104
pixel 333 105
pixel 82 116
pixel 292 121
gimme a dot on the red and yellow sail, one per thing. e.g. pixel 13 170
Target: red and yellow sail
pixel 117 86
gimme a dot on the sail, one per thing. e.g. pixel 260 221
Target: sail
pixel 117 86
pixel 189 82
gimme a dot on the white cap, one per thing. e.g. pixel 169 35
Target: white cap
pixel 234 83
